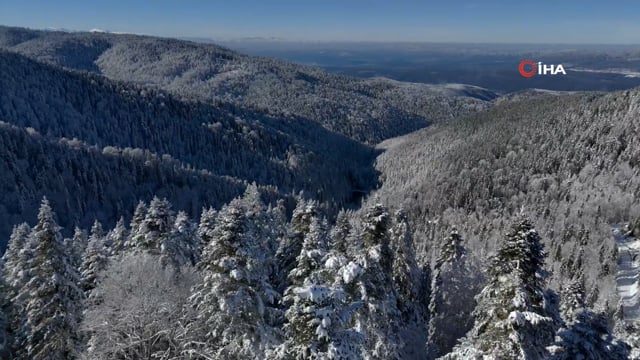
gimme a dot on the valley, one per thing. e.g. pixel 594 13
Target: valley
pixel 246 207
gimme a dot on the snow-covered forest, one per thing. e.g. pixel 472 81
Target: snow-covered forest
pixel 161 199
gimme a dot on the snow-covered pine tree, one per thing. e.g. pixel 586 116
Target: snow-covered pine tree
pixel 135 234
pixel 290 246
pixel 94 260
pixel 206 227
pixel 586 334
pixel 513 316
pixel 379 315
pixel 277 230
pixel 76 245
pixel 52 298
pixel 455 283
pixel 16 273
pixel 265 226
pixel 185 241
pixel 406 277
pixel 340 233
pixel 154 232
pixel 573 297
pixel 309 260
pixel 15 259
pixel 318 316
pixel 306 292
pixel 452 249
pixel 118 237
pixel 231 302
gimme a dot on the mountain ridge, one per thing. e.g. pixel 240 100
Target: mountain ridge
pixel 363 111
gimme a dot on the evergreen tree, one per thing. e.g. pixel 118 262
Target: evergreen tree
pixel 206 226
pixel 291 245
pixel 318 316
pixel 406 277
pixel 15 273
pixel 514 318
pixel 232 302
pixel 340 233
pixel 51 296
pixel 311 256
pixel 76 245
pixel 378 317
pixel 118 237
pixel 455 283
pixel 154 232
pixel 184 241
pixel 136 235
pixel 452 249
pixel 15 259
pixel 95 260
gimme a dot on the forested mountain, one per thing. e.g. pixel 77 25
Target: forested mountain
pixel 569 161
pixel 171 200
pixel 363 110
pixel 289 154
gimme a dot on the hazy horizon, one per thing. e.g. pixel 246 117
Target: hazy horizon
pixel 457 21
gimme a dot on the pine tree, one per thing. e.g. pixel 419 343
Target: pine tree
pixel 454 285
pixel 340 233
pixel 451 250
pixel 15 273
pixel 311 255
pixel 206 227
pixel 291 245
pixel 118 237
pixel 318 315
pixel 264 226
pixel 135 235
pixel 154 232
pixel 95 259
pixel 184 241
pixel 514 318
pixel 51 296
pixel 76 245
pixel 405 270
pixel 231 303
pixel 379 314
pixel 15 259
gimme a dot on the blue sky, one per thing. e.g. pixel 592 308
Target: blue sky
pixel 530 21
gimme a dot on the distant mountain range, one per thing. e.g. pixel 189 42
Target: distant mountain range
pixel 365 111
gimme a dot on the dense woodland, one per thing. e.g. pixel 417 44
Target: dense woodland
pixel 569 161
pixel 88 116
pixel 368 111
pixel 161 199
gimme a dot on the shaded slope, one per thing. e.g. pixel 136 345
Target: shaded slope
pixel 291 153
pixel 87 183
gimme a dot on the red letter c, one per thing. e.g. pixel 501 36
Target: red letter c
pixel 530 73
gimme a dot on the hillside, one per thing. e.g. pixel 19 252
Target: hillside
pixel 363 110
pixel 568 161
pixel 173 200
pixel 287 153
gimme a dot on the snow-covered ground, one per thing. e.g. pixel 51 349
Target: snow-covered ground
pixel 628 274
